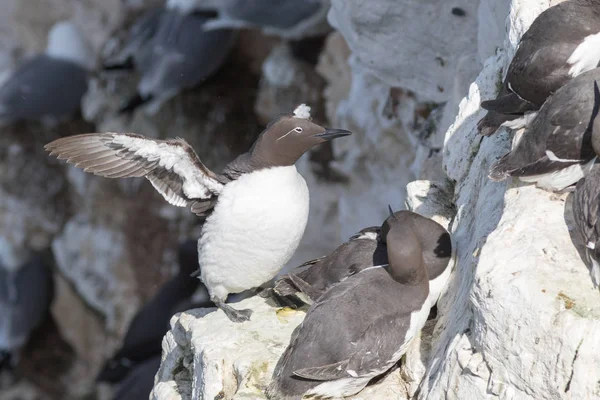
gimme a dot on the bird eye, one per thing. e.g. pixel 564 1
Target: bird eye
pixel 298 129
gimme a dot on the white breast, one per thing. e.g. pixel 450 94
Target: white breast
pixel 586 56
pixel 253 231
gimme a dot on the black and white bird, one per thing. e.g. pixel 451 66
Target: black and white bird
pixel 256 209
pixel 586 213
pixel 49 86
pixel 562 43
pixel 147 328
pixel 366 249
pixel 288 19
pixel 560 145
pixel 172 51
pixel 363 325
pixel 26 294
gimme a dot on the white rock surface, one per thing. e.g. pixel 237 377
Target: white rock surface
pixel 424 37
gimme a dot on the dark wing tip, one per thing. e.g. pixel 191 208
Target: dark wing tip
pixel 499 171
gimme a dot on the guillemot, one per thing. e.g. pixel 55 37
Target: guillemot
pixel 172 51
pixel 139 383
pixel 561 143
pixel 562 43
pixel 288 19
pixel 367 249
pixel 49 86
pixel 362 326
pixel 586 204
pixel 256 209
pixel 26 294
pixel 147 328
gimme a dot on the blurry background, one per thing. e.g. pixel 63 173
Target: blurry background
pixel 99 249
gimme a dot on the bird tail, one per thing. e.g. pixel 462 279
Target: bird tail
pixel 133 103
pixel 489 124
pixel 501 168
pixel 509 103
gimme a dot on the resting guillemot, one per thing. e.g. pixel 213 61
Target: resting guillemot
pixel 49 86
pixel 172 51
pixel 586 206
pixel 26 294
pixel 256 209
pixel 367 249
pixel 560 145
pixel 562 42
pixel 362 326
pixel 147 328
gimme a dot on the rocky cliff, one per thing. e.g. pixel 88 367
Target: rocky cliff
pixel 519 316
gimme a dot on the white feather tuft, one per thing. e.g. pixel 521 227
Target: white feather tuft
pixel 302 111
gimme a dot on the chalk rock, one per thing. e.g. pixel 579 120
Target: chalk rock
pixel 408 44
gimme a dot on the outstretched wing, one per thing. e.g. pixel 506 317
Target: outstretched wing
pixel 172 166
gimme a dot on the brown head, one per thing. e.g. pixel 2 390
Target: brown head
pixel 405 253
pixel 287 138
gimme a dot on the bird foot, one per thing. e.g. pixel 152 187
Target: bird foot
pixel 234 315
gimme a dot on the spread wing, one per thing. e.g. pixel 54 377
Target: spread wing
pixel 172 166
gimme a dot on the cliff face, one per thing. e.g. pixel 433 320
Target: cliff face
pixel 519 317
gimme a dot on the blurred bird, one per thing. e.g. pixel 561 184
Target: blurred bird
pixel 172 51
pixel 288 19
pixel 367 249
pixel 363 325
pixel 562 142
pixel 562 42
pixel 257 208
pixel 49 86
pixel 586 207
pixel 147 328
pixel 25 297
pixel 139 383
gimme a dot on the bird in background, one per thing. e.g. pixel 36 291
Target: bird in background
pixel 26 293
pixel 147 328
pixel 49 87
pixel 172 51
pixel 362 326
pixel 561 144
pixel 288 19
pixel 562 43
pixel 256 210
pixel 367 249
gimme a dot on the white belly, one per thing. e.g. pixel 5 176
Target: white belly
pixel 253 231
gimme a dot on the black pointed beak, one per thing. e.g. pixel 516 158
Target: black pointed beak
pixel 331 134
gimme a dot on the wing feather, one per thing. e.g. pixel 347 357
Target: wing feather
pixel 171 166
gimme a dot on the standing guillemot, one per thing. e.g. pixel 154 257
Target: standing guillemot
pixel 362 326
pixel 561 143
pixel 49 86
pixel 172 50
pixel 367 249
pixel 562 42
pixel 288 19
pixel 256 209
pixel 147 328
pixel 586 204
pixel 26 294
